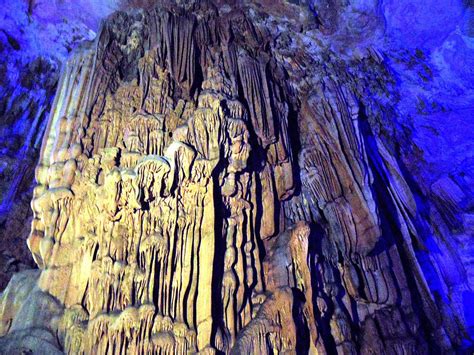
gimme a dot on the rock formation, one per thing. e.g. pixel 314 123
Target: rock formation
pixel 205 186
pixel 32 49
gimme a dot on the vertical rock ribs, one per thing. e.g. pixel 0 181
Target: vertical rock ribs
pixel 173 213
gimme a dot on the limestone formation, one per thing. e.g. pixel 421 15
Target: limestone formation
pixel 176 212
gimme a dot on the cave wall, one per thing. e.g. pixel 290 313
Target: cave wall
pixel 357 121
pixel 35 39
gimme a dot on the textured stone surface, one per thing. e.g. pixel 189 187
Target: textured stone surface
pixel 33 44
pixel 215 178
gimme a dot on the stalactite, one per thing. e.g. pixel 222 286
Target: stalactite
pixel 177 211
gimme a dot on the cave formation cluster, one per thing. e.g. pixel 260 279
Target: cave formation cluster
pixel 201 189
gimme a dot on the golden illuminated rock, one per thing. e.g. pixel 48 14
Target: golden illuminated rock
pixel 174 212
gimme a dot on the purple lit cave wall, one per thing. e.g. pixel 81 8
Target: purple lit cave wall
pixel 425 54
pixel 36 39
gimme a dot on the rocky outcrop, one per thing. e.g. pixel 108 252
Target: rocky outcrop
pixel 208 184
pixel 35 38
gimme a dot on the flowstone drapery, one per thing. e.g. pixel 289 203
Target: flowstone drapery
pixel 194 196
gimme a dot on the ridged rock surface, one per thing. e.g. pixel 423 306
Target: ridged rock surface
pixel 35 38
pixel 207 183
